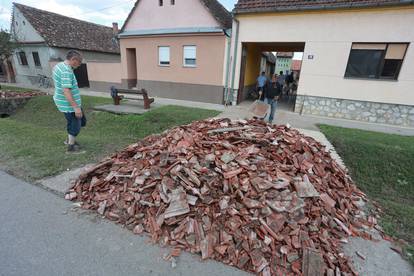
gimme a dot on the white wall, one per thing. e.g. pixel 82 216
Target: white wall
pixel 29 73
pixel 22 29
pixel 328 37
pixel 184 14
pixel 87 55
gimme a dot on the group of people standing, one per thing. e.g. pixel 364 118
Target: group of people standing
pixel 270 91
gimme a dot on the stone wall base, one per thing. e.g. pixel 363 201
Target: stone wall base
pixel 372 112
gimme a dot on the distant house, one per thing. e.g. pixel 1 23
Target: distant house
pixel 267 63
pixel 358 54
pixel 283 61
pixel 45 37
pixel 177 49
pixel 296 66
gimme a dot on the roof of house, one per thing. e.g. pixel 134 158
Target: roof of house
pixel 220 13
pixel 66 32
pixel 296 65
pixel 254 6
pixel 284 54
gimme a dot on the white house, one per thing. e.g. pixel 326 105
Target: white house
pixel 358 55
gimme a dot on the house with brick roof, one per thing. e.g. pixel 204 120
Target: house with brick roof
pixel 358 55
pixel 45 37
pixel 177 49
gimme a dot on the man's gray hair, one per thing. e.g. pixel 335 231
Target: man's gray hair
pixel 73 54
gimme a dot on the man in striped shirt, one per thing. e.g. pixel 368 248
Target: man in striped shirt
pixel 67 97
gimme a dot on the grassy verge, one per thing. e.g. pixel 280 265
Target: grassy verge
pixel 16 89
pixel 31 142
pixel 382 166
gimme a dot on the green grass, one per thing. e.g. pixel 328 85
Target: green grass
pixel 382 165
pixel 16 89
pixel 31 142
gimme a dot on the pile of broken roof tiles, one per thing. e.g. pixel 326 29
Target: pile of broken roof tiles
pixel 6 94
pixel 265 199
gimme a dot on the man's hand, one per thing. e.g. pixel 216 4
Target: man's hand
pixel 78 112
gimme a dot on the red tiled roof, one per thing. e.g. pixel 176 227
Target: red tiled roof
pixel 67 32
pixel 284 54
pixel 251 6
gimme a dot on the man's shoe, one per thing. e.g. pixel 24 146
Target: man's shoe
pixel 73 149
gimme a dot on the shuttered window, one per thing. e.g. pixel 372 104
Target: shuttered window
pixel 376 60
pixel 190 56
pixel 164 55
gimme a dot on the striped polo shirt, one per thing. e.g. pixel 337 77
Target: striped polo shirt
pixel 64 77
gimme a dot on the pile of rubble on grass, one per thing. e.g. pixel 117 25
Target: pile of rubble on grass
pixel 265 199
pixel 6 94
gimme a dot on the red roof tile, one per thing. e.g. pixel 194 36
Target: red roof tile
pixel 66 32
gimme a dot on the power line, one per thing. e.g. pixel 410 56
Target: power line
pixel 105 8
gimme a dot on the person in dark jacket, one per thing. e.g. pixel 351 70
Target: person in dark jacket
pixel 271 95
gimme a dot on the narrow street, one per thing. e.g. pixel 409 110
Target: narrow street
pixel 41 234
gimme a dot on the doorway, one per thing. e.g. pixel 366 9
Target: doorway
pixel 131 60
pixel 270 57
pixel 81 74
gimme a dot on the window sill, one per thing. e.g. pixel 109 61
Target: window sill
pixel 190 66
pixel 371 79
pixel 163 65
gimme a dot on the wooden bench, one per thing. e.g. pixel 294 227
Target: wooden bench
pixel 119 94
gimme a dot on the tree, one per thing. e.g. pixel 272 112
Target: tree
pixel 7 46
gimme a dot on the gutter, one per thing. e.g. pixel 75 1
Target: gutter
pixel 226 87
pixel 236 43
pixel 173 31
pixel 325 7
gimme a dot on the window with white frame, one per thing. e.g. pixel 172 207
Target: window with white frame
pixel 190 56
pixel 376 60
pixel 164 55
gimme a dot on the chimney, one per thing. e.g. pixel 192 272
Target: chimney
pixel 115 28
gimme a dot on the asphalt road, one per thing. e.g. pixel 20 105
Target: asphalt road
pixel 41 234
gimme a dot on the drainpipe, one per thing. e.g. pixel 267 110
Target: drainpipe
pixel 226 87
pixel 236 42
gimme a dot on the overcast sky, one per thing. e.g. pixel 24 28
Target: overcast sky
pixel 99 11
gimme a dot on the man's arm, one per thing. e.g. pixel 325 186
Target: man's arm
pixel 68 94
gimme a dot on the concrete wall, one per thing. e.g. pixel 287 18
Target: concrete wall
pixel 101 66
pixel 254 55
pixel 103 75
pixel 177 81
pixel 22 29
pixel 323 76
pixel 184 14
pixel 28 74
pixel 60 53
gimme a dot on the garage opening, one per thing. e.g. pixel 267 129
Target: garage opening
pixel 271 58
pixel 81 74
